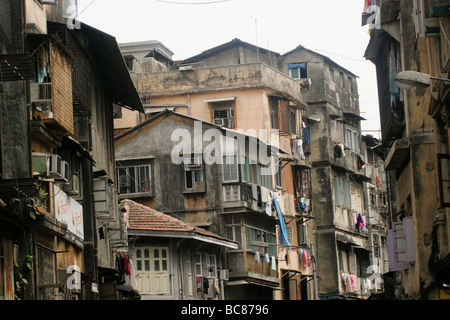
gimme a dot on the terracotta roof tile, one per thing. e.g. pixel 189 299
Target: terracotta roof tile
pixel 144 218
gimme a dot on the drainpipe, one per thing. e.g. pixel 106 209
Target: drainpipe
pixel 189 105
pixel 316 292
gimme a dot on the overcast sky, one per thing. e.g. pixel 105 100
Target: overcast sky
pixel 188 27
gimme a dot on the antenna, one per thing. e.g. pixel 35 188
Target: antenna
pixel 257 47
pixel 270 54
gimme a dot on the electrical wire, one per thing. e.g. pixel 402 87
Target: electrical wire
pixel 190 3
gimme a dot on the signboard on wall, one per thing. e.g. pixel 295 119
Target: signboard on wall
pixel 70 212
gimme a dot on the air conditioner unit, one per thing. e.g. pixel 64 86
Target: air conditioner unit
pixel 66 171
pixel 124 181
pixel 57 167
pixel 220 122
pixel 73 189
pixel 40 163
pixel 224 274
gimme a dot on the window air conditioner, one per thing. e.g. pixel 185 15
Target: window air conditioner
pixel 57 167
pixel 224 274
pixel 73 189
pixel 40 163
pixel 66 171
pixel 124 181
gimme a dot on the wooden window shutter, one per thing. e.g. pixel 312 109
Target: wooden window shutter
pixel 408 229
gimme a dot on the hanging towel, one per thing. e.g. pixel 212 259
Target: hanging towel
pixel 273 263
pixel 133 282
pixel 269 203
pixel 266 258
pixel 352 280
pixel 283 233
pixel 306 258
pixel 344 278
pixel 342 149
pixel 359 222
pixel 305 131
pixel 361 162
pixel 264 194
pixel 126 265
pixel 257 257
pixel 298 149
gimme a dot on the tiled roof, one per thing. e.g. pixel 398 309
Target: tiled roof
pixel 144 218
pixel 120 131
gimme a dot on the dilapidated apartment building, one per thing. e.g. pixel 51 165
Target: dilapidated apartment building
pixel 414 36
pixel 326 181
pixel 254 98
pixel 341 220
pixel 60 224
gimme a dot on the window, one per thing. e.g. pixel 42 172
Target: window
pixel 350 84
pixel 265 176
pixel 298 70
pixel 376 245
pixel 46 273
pixel 331 74
pixel 193 174
pixel 373 197
pixel 274 113
pixel 278 176
pixel 135 180
pixel 352 140
pixel 337 131
pixel 223 114
pixel 246 170
pixel 301 233
pixel 302 182
pixel 206 268
pixel 230 169
pixel 233 228
pixel 341 78
pixel 259 234
pixel 192 178
pixel 293 123
pixel 444 179
pixel 290 234
pixel 342 192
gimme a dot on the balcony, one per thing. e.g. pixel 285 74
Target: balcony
pixel 45 109
pixel 248 76
pixel 398 155
pixel 246 270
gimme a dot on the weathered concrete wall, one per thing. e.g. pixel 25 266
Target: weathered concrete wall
pixel 196 208
pixel 16 153
pixel 255 75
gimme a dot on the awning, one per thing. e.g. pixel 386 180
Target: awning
pixel 220 100
pixel 105 50
pixel 353 116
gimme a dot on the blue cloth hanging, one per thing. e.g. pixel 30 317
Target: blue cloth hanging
pixel 284 237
